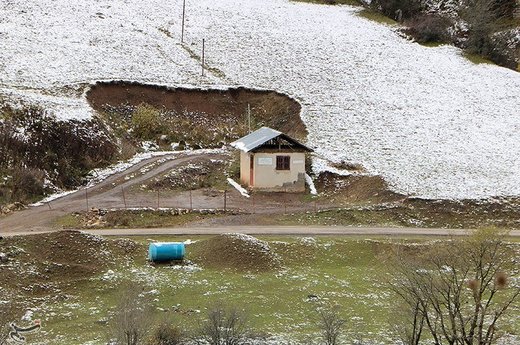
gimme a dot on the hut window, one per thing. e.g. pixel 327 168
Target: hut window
pixel 283 162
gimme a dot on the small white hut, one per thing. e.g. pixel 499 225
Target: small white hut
pixel 272 161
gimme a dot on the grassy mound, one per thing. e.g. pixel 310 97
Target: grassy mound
pixel 235 251
pixel 52 265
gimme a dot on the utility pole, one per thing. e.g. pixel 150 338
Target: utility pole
pixel 203 46
pixel 183 15
pixel 249 117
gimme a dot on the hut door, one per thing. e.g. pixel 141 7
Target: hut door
pixel 251 169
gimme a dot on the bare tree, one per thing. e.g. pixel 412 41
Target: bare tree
pixel 133 316
pixel 224 326
pixel 409 324
pixel 460 287
pixel 330 323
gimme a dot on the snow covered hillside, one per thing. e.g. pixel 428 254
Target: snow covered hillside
pixel 433 124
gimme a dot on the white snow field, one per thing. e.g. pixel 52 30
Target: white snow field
pixel 430 122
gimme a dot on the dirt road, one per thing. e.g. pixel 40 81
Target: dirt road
pixel 281 230
pixel 122 190
pixel 109 194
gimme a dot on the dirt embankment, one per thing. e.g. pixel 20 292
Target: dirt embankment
pixel 355 188
pixel 368 200
pixel 268 108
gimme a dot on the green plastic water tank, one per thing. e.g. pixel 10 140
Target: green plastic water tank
pixel 166 251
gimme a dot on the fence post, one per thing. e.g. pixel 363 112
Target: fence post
pixel 183 14
pixel 157 198
pixel 86 197
pixel 49 205
pixel 315 207
pixel 124 198
pixel 225 200
pixel 191 201
pixel 253 200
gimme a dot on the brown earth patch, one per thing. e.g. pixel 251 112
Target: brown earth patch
pixel 235 251
pixel 209 108
pixel 355 188
pixel 50 265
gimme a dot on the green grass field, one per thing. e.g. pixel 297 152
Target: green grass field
pixel 349 271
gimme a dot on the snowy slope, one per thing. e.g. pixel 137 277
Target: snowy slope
pixel 430 122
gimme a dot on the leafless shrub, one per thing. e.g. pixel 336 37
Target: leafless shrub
pixel 224 326
pixel 407 323
pixel 26 183
pixel 459 287
pixel 133 316
pixel 428 28
pixel 330 323
pixel 167 334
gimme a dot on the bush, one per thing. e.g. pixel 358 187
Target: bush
pixel 224 326
pixel 429 28
pixel 167 334
pixel 26 183
pixel 62 151
pixel 504 49
pixel 146 122
pixel 133 316
pixel 330 323
pixel 391 8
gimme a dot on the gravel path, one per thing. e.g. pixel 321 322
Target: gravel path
pixel 281 230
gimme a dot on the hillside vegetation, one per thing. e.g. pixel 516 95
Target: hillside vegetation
pixel 39 154
pixel 485 28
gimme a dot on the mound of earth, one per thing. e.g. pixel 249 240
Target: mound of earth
pixel 236 251
pixel 46 265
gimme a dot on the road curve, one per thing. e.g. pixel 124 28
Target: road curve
pixel 279 231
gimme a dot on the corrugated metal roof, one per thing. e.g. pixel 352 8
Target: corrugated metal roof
pixel 255 139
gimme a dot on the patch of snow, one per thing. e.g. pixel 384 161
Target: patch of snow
pixel 109 275
pixel 149 146
pixel 53 197
pixel 253 241
pixel 238 187
pixel 430 122
pixel 28 316
pixel 308 241
pixel 311 185
pixel 186 268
